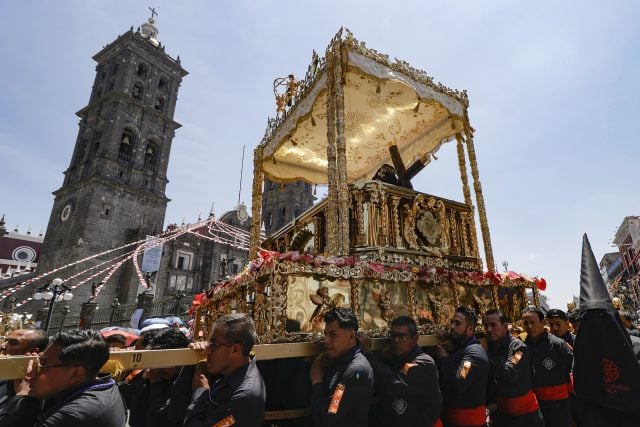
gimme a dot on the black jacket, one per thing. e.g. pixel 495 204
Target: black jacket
pixel 97 404
pixel 239 398
pixel 354 373
pixel 551 361
pixel 158 404
pixel 408 390
pixel 508 377
pixel 460 391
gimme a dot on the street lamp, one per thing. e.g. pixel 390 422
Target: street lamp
pixel 54 292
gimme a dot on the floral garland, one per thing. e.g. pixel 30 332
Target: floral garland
pixel 269 262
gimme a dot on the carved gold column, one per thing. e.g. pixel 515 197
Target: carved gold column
pixel 256 203
pixel 411 300
pixel 384 216
pixel 455 291
pixel 395 201
pixel 536 296
pixel 463 172
pixel 359 203
pixel 341 151
pixel 477 186
pixel 317 234
pixel 494 297
pixel 467 193
pixel 332 175
pixel 355 296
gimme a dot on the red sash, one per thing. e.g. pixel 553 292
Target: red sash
pixel 520 405
pixel 465 416
pixel 438 423
pixel 570 389
pixel 552 392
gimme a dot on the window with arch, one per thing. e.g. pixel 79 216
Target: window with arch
pixel 136 92
pixel 159 105
pixel 142 70
pixel 151 156
pixel 162 84
pixel 126 146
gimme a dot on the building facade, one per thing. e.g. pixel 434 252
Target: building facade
pixel 19 252
pixel 114 188
pixel 626 285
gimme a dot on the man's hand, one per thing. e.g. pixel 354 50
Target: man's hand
pixel 365 342
pixel 317 368
pixel 200 346
pixel 199 379
pixel 23 386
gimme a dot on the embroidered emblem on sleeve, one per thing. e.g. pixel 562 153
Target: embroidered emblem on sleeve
pixel 516 357
pixel 399 405
pixel 407 366
pixel 336 398
pixel 226 422
pixel 548 363
pixel 466 368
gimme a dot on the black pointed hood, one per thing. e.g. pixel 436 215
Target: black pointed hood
pixel 593 291
pixel 606 373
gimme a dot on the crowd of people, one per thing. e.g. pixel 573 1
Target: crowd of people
pixel 507 379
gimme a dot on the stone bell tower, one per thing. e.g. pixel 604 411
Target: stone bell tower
pixel 281 203
pixel 114 188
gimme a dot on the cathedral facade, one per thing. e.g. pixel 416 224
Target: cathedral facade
pixel 113 192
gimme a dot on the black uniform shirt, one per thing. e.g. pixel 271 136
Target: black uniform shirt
pixel 509 378
pixel 551 360
pixel 354 373
pixel 239 398
pixel 409 389
pixel 569 338
pixel 462 391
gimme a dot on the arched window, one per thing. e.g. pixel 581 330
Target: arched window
pixel 159 105
pixel 162 84
pixel 126 147
pixel 142 70
pixel 151 156
pixel 136 92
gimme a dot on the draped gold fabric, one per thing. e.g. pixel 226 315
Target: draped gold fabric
pixel 381 107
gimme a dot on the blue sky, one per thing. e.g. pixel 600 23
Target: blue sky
pixel 553 88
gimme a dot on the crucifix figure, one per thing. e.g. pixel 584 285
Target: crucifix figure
pixel 153 12
pixel 405 174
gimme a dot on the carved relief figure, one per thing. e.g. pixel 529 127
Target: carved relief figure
pixel 436 308
pixel 409 229
pixel 384 302
pixel 321 299
pixel 516 303
pixel 324 304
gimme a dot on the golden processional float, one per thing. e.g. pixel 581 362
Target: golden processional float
pixel 365 125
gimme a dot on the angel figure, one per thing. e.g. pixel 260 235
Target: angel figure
pixel 337 300
pixel 323 302
pixel 437 308
pixel 386 311
pixel 409 229
pixel 481 307
pixel 260 315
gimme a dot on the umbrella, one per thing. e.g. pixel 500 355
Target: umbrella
pixel 121 328
pixel 130 337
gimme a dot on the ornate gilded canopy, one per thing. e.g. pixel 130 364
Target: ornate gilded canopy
pixel 385 103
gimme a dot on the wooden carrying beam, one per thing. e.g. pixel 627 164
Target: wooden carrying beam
pixel 15 366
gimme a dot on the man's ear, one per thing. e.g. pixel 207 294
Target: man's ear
pixel 78 375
